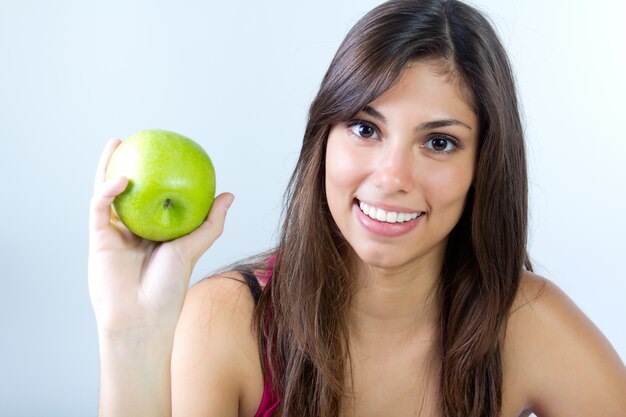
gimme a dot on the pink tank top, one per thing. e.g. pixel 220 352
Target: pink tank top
pixel 270 400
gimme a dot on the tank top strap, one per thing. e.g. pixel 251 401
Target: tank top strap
pixel 253 284
pixel 270 400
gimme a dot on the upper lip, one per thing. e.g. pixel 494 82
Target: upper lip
pixel 389 207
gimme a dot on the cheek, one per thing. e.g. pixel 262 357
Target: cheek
pixel 344 169
pixel 336 164
pixel 448 185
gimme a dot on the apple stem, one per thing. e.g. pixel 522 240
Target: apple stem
pixel 167 203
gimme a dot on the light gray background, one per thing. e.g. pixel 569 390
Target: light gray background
pixel 238 78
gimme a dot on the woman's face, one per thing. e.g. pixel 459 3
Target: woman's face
pixel 397 175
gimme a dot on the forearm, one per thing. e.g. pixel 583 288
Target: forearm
pixel 135 376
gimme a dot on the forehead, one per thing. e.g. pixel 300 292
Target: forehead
pixel 428 89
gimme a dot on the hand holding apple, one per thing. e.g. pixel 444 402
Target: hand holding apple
pixel 137 286
pixel 171 184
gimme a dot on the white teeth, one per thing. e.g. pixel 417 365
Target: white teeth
pixel 364 208
pixel 386 216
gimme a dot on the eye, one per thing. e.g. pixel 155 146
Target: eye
pixel 441 144
pixel 363 129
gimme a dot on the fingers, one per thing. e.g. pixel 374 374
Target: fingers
pixel 197 242
pixel 104 194
pixel 108 150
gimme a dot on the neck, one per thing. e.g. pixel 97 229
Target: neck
pixel 400 302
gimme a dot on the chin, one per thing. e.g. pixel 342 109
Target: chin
pixel 393 259
pixel 382 259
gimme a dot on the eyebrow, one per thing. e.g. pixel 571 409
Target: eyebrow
pixel 435 124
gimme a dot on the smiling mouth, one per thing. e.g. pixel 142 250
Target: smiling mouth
pixel 381 215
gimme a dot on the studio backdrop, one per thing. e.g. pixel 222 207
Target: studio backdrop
pixel 238 78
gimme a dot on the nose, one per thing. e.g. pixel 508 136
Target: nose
pixel 395 171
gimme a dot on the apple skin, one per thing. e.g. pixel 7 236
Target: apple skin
pixel 171 184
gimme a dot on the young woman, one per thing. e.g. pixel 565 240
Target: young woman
pixel 401 284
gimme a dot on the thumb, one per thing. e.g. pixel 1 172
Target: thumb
pixel 201 239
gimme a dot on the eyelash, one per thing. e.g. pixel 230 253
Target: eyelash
pixel 451 140
pixel 354 123
pixel 351 124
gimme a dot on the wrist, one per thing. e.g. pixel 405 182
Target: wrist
pixel 146 342
pixel 135 373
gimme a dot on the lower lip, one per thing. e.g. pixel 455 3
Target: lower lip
pixel 383 228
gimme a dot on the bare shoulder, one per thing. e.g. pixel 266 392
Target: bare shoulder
pixel 226 296
pixel 556 360
pixel 215 363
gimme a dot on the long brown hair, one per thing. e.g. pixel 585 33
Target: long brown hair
pixel 301 317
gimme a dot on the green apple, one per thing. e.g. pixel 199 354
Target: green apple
pixel 171 184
